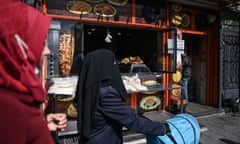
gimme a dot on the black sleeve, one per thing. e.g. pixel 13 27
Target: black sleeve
pixel 115 108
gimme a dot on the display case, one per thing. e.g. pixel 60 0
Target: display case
pixel 61 95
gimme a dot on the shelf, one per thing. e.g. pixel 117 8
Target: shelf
pixel 156 88
pixel 105 22
pixel 194 32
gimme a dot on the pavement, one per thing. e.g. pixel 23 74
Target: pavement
pixel 217 126
pixel 221 129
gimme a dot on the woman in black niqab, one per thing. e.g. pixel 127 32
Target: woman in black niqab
pixel 101 103
pixel 98 69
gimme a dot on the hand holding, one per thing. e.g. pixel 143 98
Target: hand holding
pixel 57 121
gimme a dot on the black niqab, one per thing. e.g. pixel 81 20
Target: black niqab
pixel 98 69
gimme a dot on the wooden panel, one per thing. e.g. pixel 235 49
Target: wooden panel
pixel 212 66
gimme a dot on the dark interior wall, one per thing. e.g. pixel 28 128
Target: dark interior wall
pixel 125 42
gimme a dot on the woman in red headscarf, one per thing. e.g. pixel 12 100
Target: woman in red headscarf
pixel 23 31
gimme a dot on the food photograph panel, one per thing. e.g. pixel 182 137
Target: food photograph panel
pixel 149 102
pixel 117 10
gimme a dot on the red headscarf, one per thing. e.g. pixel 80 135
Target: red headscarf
pixel 22 37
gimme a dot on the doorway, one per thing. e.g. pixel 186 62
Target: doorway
pixel 195 47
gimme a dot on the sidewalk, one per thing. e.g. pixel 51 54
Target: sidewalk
pixel 217 127
pixel 221 129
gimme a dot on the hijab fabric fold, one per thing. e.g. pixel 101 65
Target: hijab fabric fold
pixel 31 27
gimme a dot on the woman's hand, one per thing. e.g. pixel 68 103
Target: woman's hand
pixel 57 121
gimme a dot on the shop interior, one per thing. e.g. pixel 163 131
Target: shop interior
pixel 125 43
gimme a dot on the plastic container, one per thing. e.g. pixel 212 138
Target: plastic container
pixel 184 128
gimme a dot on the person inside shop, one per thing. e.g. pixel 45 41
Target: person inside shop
pixel 23 31
pixel 101 103
pixel 186 73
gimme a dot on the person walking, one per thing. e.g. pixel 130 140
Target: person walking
pixel 23 31
pixel 101 103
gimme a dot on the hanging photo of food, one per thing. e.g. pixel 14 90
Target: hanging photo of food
pixel 150 102
pixel 177 7
pixel 176 77
pixel 78 7
pixel 185 20
pixel 118 2
pixel 104 10
pixel 176 90
pixel 177 19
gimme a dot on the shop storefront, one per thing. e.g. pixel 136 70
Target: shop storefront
pixel 132 29
pixel 128 28
pixel 147 34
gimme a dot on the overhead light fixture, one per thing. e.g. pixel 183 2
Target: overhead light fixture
pixel 119 33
